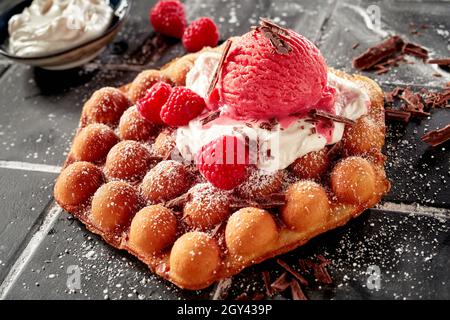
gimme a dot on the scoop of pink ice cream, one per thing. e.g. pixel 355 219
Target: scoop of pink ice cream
pixel 257 82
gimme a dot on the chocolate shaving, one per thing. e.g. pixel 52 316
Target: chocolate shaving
pixel 413 103
pixel 440 62
pixel 318 114
pixel 390 53
pixel 294 273
pixel 321 274
pixel 273 201
pixel 296 291
pixel 323 261
pixel 281 283
pixel 244 296
pixel 266 279
pixel 219 67
pixel 217 229
pixel 274 27
pixel 269 125
pixel 437 137
pixel 178 201
pixel 210 117
pixel 275 34
pixel 355 45
pixel 397 115
pixel 415 50
pixel 335 151
pixel 380 52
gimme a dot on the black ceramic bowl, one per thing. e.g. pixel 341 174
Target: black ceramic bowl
pixel 69 58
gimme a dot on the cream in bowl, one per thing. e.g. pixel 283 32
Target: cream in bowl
pixel 60 34
pixel 50 26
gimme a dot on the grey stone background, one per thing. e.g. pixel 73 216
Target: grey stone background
pixel 407 236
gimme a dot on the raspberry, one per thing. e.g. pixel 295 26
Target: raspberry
pixel 150 105
pixel 182 106
pixel 224 162
pixel 168 18
pixel 201 33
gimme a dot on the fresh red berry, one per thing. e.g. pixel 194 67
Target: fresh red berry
pixel 201 33
pixel 224 162
pixel 168 17
pixel 150 105
pixel 182 106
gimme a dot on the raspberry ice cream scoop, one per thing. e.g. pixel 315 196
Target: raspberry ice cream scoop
pixel 260 83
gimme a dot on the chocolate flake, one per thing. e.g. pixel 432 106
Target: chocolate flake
pixel 318 114
pixel 355 45
pixel 378 53
pixel 274 27
pixel 437 137
pixel 210 117
pixel 296 291
pixel 275 34
pixel 178 201
pixel 321 274
pixel 244 296
pixel 440 62
pixel 415 50
pixel 273 201
pixel 294 273
pixel 266 278
pixel 268 125
pixel 219 67
pixel 397 115
pixel 281 283
pixel 413 103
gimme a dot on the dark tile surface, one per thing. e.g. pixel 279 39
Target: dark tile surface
pixel 419 172
pixel 411 251
pixel 41 109
pixel 105 271
pixel 350 24
pixel 24 196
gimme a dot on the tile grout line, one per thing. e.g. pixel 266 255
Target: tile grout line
pixel 26 166
pixel 413 208
pixel 386 206
pixel 19 265
pixel 320 33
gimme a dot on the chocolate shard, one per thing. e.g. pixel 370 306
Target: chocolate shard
pixel 378 53
pixel 210 117
pixel 413 103
pixel 437 137
pixel 294 273
pixel 415 50
pixel 440 62
pixel 178 201
pixel 397 115
pixel 321 274
pixel 318 114
pixel 296 291
pixel 266 279
pixel 219 67
pixel 275 28
pixel 273 201
pixel 281 283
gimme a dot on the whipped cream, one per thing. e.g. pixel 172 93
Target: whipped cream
pixel 287 140
pixel 50 26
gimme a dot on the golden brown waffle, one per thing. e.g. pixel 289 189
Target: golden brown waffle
pixel 188 232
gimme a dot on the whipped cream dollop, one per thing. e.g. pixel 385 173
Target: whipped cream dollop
pixel 287 140
pixel 50 26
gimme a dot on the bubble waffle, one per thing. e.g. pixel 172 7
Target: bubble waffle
pixel 185 230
